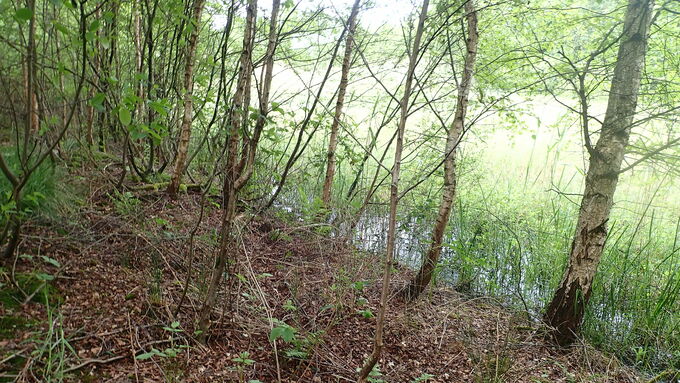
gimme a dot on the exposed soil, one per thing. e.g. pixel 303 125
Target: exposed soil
pixel 123 266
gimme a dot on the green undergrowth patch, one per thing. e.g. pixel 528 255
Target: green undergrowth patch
pixel 51 347
pixel 45 194
pixel 28 284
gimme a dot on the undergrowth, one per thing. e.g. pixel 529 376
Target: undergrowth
pixel 46 193
pixel 510 239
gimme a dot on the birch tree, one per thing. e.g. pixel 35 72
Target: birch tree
pixel 342 89
pixel 239 170
pixel 228 190
pixel 185 132
pixel 394 200
pixel 565 311
pixel 455 131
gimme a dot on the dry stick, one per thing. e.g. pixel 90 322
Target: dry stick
pixel 75 339
pixel 223 84
pixel 394 194
pixel 132 349
pixel 373 188
pixel 386 119
pixel 117 357
pixel 242 171
pixel 670 373
pixel 247 162
pixel 41 286
pixel 94 361
pixel 14 355
pixel 192 235
pixel 367 150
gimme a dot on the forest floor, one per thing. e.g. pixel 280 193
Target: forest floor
pixel 114 271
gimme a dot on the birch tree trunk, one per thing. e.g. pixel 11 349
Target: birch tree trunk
pixel 30 78
pixel 268 70
pixel 565 312
pixel 137 30
pixel 229 188
pixel 96 69
pixel 342 89
pixel 424 276
pixel 394 198
pixel 185 133
pixel 300 143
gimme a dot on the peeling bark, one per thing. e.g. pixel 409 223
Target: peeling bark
pixel 231 174
pixel 268 69
pixel 32 120
pixel 565 312
pixel 187 117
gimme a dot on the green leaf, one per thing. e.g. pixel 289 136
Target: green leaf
pixel 24 14
pixel 138 133
pixel 94 25
pixel 424 378
pixel 44 276
pixel 174 327
pixel 153 352
pixel 296 354
pixel 158 107
pixel 124 116
pixel 285 332
pixel 106 43
pixel 243 358
pixel 97 101
pixel 145 355
pixel 366 313
pixel 289 305
pixel 61 28
pixel 62 68
pixel 51 261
